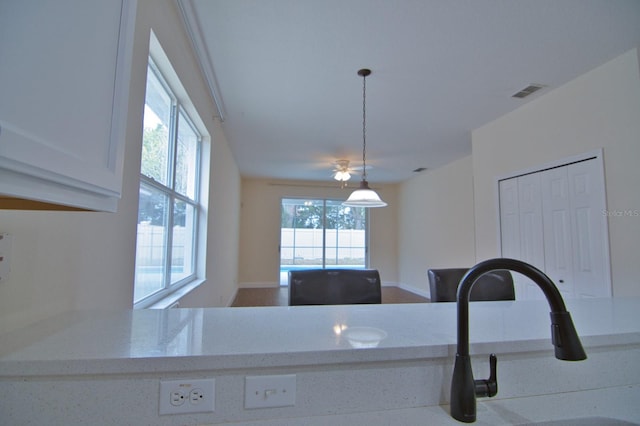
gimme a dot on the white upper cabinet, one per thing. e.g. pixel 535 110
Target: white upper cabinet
pixel 65 67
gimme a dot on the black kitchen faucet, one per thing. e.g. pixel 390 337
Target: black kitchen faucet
pixel 564 337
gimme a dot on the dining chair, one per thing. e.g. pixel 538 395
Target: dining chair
pixel 495 285
pixel 334 287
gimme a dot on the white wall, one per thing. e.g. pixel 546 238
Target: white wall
pixel 84 260
pixel 600 109
pixel 435 223
pixel 260 227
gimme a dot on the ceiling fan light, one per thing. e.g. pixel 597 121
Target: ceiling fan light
pixel 342 176
pixel 364 197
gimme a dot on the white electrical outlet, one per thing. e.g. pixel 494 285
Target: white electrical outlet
pixel 187 396
pixel 270 391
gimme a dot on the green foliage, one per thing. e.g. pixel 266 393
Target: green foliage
pixel 312 216
pixel 155 144
pixel 155 155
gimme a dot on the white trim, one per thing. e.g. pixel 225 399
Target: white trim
pixel 410 289
pixel 193 27
pixel 174 297
pixel 596 153
pixel 53 190
pixel 259 284
pixel 120 106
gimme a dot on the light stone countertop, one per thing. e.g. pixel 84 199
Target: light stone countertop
pixel 224 338
pixel 119 359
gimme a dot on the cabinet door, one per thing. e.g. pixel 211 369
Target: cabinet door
pixel 64 83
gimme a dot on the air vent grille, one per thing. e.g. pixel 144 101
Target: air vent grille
pixel 532 88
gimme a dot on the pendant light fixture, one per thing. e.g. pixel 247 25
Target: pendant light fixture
pixel 364 196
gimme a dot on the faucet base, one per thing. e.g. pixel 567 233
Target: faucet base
pixel 463 394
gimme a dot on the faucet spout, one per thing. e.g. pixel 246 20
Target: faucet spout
pixel 564 337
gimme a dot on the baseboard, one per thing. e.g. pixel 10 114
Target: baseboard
pixel 259 284
pixel 406 287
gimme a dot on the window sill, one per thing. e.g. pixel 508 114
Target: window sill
pixel 171 299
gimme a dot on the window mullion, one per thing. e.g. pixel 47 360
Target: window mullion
pixel 366 238
pixel 324 234
pixel 173 143
pixel 169 243
pixel 173 147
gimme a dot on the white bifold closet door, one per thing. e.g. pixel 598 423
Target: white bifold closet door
pixel 554 220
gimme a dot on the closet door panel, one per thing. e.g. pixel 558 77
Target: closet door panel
pixel 531 239
pixel 589 232
pixel 558 249
pixel 509 218
pixel 510 233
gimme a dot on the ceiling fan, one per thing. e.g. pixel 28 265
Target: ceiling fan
pixel 342 171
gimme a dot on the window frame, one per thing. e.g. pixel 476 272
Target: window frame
pixel 325 204
pixel 179 116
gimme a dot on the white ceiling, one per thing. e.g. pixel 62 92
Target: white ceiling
pixel 285 72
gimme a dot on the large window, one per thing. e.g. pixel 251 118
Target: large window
pixel 321 234
pixel 168 210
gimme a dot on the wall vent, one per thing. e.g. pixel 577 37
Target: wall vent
pixel 532 88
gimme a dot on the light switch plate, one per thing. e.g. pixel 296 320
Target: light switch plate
pixel 270 391
pixel 5 255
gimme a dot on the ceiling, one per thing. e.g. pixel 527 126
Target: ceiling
pixel 285 74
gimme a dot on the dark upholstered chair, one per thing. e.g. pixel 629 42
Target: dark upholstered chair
pixel 334 287
pixel 495 285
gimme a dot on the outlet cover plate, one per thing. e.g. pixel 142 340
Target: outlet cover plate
pixel 187 396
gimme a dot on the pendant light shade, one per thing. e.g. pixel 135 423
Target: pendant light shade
pixel 364 196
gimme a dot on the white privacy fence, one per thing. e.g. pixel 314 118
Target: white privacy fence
pixel 309 246
pixel 151 245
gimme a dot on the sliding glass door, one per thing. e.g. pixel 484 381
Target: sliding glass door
pixel 321 233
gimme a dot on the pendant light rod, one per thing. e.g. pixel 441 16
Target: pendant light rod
pixel 364 72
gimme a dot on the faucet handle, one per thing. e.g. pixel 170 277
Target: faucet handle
pixel 488 387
